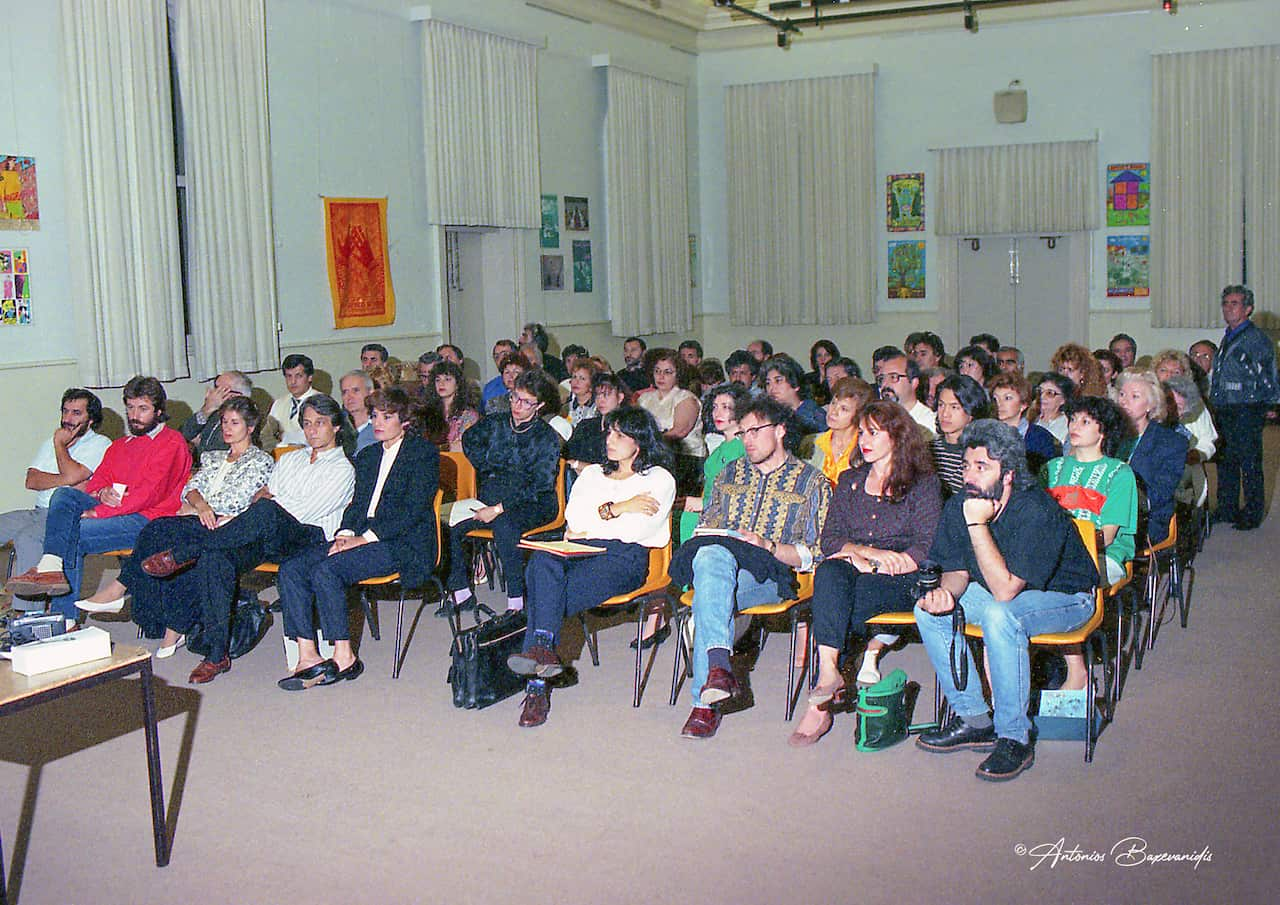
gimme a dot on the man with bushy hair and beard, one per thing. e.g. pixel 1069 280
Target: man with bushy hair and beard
pixel 141 477
pixel 1011 557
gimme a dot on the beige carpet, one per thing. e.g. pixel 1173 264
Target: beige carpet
pixel 379 791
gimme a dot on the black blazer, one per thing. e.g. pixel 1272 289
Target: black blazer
pixel 405 519
pixel 1159 458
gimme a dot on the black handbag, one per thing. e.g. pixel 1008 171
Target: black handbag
pixel 478 669
pixel 248 625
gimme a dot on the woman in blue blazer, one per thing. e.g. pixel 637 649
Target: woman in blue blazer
pixel 390 526
pixel 1159 453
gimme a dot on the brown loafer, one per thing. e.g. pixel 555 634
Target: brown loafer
pixel 38 584
pixel 721 685
pixel 702 723
pixel 162 564
pixel 208 670
pixel 535 709
pixel 800 739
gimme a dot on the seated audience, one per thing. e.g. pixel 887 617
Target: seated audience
pixel 1125 348
pixel 1109 363
pixel 67 459
pixel 516 456
pixel 760 349
pixel 741 367
pixel 880 524
pixel 450 352
pixel 821 354
pixel 497 386
pixel 373 354
pixel 1010 360
pixel 1011 395
pixel 536 335
pixel 987 341
pixel 840 368
pixel 451 393
pixel 838 444
pixel 1048 410
pixel 140 478
pixel 298 372
pixel 1201 354
pixel 710 373
pixel 634 374
pixel 1077 363
pixel 930 380
pixel 356 386
pixel 509 370
pixel 1158 454
pixel 678 415
pixel 201 429
pixel 690 352
pixel 783 381
pixel 301 505
pixel 926 350
pixel 961 399
pixel 623 507
pixel 389 527
pixel 225 485
pixel 1196 424
pixel 581 405
pixel 721 416
pixel 1013 559
pixel 776 504
pixel 549 398
pixel 975 362
pixel 1170 363
pixel 585 445
pixel 898 380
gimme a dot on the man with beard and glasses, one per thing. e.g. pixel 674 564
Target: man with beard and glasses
pixel 141 477
pixel 1012 558
pixel 898 380
pixel 67 459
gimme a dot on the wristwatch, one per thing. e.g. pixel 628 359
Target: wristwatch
pixel 606 512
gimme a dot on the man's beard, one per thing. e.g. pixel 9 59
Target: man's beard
pixel 138 428
pixel 78 430
pixel 994 492
pixel 888 395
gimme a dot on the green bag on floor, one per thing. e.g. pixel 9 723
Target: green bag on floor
pixel 882 713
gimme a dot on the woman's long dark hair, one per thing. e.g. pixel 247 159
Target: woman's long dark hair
pixel 639 425
pixel 910 459
pixel 461 396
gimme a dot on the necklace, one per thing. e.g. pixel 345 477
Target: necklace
pixel 516 429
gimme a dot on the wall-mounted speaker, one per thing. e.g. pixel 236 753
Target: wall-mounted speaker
pixel 1011 105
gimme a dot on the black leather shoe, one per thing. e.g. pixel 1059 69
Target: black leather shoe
pixel 957 735
pixel 655 639
pixel 1245 524
pixel 1008 760
pixel 351 673
pixel 312 675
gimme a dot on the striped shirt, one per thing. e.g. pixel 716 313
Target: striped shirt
pixel 788 505
pixel 315 493
pixel 948 462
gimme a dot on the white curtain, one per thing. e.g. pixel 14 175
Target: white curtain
pixel 647 205
pixel 1262 172
pixel 222 65
pixel 1017 189
pixel 481 122
pixel 121 194
pixel 803 208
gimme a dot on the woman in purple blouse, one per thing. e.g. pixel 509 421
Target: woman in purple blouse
pixel 879 527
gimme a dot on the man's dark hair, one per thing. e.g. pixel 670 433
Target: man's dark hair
pixel 374 347
pixel 457 350
pixel 573 349
pixel 1235 289
pixel 639 425
pixel 739 358
pixel 92 404
pixel 635 339
pixel 978 353
pixel 1002 443
pixel 1133 343
pixel 932 340
pixel 988 341
pixel 850 366
pixel 969 393
pixel 292 361
pixel 326 407
pixel 140 387
pixel 888 353
pixel 690 344
pixel 506 344
pixel 1110 358
pixel 764 408
pixel 710 372
pixel 785 365
pixel 538 334
pixel 1112 421
pixel 766 347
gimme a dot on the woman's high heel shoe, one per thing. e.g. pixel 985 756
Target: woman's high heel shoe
pixel 833 693
pixel 165 651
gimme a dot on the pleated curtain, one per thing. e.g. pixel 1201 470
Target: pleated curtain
pixel 1001 189
pixel 803 205
pixel 1215 173
pixel 481 127
pixel 646 205
pixel 222 65
pixel 121 195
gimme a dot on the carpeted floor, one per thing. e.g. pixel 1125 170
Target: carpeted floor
pixel 379 791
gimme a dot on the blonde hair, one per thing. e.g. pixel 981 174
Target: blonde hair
pixel 1155 392
pixel 1184 363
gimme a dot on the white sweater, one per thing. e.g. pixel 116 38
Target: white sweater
pixel 594 488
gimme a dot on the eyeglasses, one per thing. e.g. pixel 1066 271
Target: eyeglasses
pixel 522 402
pixel 890 378
pixel 759 427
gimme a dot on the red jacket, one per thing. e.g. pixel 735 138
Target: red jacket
pixel 153 469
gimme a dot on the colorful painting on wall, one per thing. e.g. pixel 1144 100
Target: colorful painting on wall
pixel 1128 266
pixel 549 236
pixel 576 215
pixel 15 287
pixel 1129 194
pixel 906 270
pixel 552 273
pixel 19 201
pixel 582 281
pixel 355 240
pixel 904 202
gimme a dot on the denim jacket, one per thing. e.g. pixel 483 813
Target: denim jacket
pixel 1244 370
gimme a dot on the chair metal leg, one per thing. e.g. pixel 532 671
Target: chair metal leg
pixel 683 658
pixel 1091 703
pixel 395 655
pixel 369 615
pixel 590 637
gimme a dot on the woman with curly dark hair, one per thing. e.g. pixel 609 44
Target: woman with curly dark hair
pixel 821 354
pixel 622 507
pixel 1077 363
pixel 450 392
pixel 879 527
pixel 976 362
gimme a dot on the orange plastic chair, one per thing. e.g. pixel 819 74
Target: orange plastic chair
pixel 482 538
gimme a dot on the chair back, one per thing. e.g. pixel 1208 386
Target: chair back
pixel 457 476
pixel 435 508
pixel 282 449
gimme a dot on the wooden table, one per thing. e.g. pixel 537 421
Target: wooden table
pixel 18 692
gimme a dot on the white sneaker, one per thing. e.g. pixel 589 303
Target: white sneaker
pixel 165 651
pixel 868 674
pixel 111 606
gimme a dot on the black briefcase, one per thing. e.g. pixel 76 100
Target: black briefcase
pixel 478 669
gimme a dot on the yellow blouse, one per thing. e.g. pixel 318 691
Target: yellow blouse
pixel 833 467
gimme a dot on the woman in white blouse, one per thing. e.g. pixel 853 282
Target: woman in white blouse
pixel 679 416
pixel 224 487
pixel 622 507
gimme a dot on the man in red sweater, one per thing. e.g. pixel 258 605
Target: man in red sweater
pixel 141 477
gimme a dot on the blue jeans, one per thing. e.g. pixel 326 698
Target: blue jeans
pixel 720 589
pixel 1005 630
pixel 72 537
